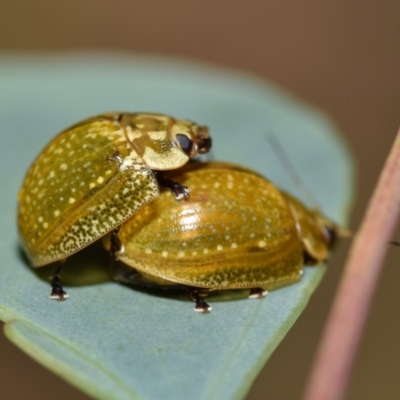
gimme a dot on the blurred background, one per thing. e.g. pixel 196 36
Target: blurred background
pixel 342 57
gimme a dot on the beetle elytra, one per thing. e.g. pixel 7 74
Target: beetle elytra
pixel 235 231
pixel 95 175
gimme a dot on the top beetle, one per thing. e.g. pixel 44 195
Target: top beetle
pixel 96 174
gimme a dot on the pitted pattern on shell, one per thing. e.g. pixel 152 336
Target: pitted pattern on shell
pixel 234 231
pixel 85 182
pixel 106 213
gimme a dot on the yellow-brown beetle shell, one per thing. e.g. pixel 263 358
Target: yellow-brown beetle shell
pixel 94 176
pixel 236 230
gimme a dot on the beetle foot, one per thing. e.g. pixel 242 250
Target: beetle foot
pixel 57 291
pixel 201 305
pixel 257 293
pixel 180 191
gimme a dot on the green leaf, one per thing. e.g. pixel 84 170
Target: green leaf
pixel 117 342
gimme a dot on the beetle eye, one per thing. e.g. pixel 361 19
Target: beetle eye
pixel 185 143
pixel 331 235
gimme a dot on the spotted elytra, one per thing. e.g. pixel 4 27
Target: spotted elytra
pixel 235 231
pixel 95 175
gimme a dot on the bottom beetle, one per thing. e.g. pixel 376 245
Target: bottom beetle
pixel 235 231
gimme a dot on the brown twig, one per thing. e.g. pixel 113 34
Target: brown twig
pixel 332 366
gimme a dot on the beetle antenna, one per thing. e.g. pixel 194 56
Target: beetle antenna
pixel 291 170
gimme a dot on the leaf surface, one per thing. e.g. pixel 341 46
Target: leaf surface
pixel 117 342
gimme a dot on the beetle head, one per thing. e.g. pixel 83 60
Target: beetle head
pixel 192 139
pixel 329 230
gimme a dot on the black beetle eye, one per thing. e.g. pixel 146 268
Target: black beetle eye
pixel 185 143
pixel 331 235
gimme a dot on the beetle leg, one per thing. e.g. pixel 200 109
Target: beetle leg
pixel 201 305
pixel 116 156
pixel 257 293
pixel 57 292
pixel 116 245
pixel 179 190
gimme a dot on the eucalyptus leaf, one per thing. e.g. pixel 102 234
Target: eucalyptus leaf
pixel 117 342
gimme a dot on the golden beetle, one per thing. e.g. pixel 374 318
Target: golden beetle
pixel 95 175
pixel 235 231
